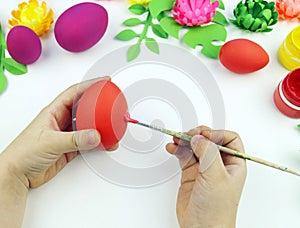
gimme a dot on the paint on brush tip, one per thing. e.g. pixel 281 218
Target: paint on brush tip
pixel 129 119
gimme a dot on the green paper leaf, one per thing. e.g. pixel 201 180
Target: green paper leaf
pixel 132 22
pixel 205 36
pixel 157 30
pixel 298 125
pixel 3 82
pixel 256 24
pixel 126 34
pixel 169 25
pixel 133 52
pixel 137 9
pixel 248 20
pixel 152 45
pixel 221 5
pixel 267 14
pixel 219 18
pixel 157 6
pixel 14 67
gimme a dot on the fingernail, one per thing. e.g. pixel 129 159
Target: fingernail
pixel 93 138
pixel 195 140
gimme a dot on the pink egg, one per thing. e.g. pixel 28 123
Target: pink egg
pixel 81 26
pixel 23 45
pixel 103 106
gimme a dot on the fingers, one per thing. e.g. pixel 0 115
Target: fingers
pixel 64 142
pixel 208 155
pixel 184 155
pixel 67 97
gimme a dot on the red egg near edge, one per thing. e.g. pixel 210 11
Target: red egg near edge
pixel 103 106
pixel 243 56
pixel 81 26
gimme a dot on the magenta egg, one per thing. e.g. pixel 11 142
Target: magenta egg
pixel 81 26
pixel 23 45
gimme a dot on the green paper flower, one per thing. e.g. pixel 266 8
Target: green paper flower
pixel 255 15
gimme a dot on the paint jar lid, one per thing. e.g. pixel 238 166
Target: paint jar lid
pixel 291 87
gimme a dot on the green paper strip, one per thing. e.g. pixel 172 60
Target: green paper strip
pixel 3 82
pixel 14 67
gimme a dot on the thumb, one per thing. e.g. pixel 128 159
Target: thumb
pixel 210 161
pixel 76 140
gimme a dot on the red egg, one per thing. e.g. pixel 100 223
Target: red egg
pixel 81 26
pixel 103 106
pixel 23 45
pixel 243 56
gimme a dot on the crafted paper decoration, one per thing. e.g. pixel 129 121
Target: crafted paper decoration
pixel 255 15
pixel 8 64
pixel 193 12
pixel 159 20
pixel 288 9
pixel 34 16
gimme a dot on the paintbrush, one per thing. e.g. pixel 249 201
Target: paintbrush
pixel 225 150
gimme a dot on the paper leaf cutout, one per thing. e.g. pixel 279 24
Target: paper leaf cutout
pixel 158 6
pixel 221 5
pixel 219 18
pixel 152 45
pixel 133 52
pixel 126 34
pixel 205 36
pixel 132 22
pixel 14 67
pixel 3 82
pixel 157 30
pixel 137 9
pixel 298 125
pixel 170 26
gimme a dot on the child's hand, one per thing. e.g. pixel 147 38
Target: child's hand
pixel 211 182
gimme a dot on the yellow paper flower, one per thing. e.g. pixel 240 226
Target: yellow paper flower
pixel 33 16
pixel 142 2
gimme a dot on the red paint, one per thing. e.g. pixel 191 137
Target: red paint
pixel 102 107
pixel 129 119
pixel 287 94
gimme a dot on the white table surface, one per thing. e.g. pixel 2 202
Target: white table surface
pixel 78 197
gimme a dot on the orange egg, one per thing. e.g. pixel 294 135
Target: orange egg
pixel 243 56
pixel 103 106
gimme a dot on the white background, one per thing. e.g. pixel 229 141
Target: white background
pixel 79 198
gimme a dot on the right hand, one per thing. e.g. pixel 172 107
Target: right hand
pixel 211 182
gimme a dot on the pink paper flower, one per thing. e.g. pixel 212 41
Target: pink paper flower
pixel 288 9
pixel 194 12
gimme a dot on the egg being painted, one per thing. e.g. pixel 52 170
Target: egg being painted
pixel 81 26
pixel 103 106
pixel 23 45
pixel 243 56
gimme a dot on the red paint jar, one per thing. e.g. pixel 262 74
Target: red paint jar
pixel 287 95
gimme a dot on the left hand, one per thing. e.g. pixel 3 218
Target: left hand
pixel 49 143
